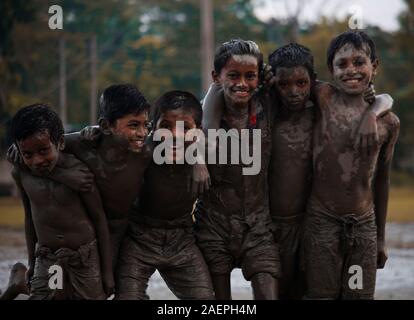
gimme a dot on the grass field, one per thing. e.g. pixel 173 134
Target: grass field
pixel 401 208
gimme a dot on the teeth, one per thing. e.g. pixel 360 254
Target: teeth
pixel 352 81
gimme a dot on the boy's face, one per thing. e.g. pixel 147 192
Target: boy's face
pixel 293 87
pixel 39 153
pixel 133 127
pixel 352 69
pixel 168 120
pixel 239 78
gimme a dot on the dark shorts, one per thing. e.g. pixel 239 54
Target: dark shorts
pixel 173 252
pixel 81 274
pixel 229 243
pixel 334 247
pixel 288 233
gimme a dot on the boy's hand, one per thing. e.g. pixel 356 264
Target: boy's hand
pixel 369 95
pixel 268 77
pixel 200 180
pixel 13 155
pixel 91 133
pixel 108 283
pixel 366 138
pixel 382 254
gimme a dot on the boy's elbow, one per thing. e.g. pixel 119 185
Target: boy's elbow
pixel 386 100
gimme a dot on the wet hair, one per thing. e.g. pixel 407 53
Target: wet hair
pixel 355 37
pixel 236 47
pixel 36 118
pixel 176 99
pixel 120 100
pixel 292 55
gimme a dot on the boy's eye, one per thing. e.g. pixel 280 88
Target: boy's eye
pixel 341 64
pixel 302 83
pixel 359 62
pixel 232 75
pixel 251 76
pixel 26 155
pixel 43 151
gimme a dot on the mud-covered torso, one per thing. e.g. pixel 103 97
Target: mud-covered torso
pixel 119 180
pixel 233 193
pixel 165 193
pixel 343 175
pixel 290 168
pixel 58 213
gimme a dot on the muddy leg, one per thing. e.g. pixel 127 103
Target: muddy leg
pixel 221 285
pixel 265 287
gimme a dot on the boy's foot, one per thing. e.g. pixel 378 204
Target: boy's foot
pixel 17 282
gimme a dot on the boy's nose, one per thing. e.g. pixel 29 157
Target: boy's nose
pixel 351 70
pixel 177 132
pixel 242 82
pixel 37 160
pixel 141 132
pixel 293 93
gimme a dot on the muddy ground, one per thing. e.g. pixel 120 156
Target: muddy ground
pixel 396 281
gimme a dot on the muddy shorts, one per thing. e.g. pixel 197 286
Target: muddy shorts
pixel 231 242
pixel 288 232
pixel 81 274
pixel 335 250
pixel 169 248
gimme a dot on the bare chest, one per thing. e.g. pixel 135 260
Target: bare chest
pixel 45 192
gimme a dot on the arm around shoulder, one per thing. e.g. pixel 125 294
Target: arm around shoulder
pixel 382 105
pixel 213 107
pixel 93 203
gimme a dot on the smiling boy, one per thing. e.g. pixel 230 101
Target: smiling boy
pixel 62 227
pixel 233 225
pixel 345 221
pixel 161 235
pixel 119 158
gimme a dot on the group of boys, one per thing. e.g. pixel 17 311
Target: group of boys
pixel 316 208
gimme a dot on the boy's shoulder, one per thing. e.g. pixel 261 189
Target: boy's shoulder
pixel 69 161
pixel 390 120
pixel 322 87
pixel 322 92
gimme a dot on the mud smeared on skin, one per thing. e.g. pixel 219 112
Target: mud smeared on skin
pixel 245 59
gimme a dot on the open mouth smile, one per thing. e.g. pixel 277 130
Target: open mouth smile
pixel 352 81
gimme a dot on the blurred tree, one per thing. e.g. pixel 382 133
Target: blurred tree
pixel 155 44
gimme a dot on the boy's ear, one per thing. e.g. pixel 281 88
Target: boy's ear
pixel 61 144
pixel 104 125
pixel 215 76
pixel 375 65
